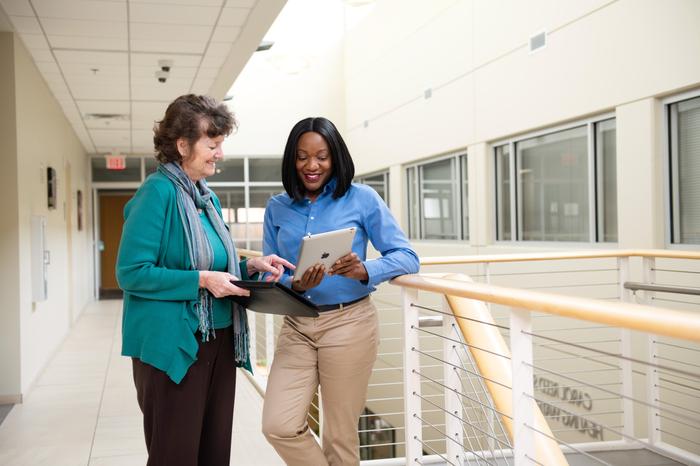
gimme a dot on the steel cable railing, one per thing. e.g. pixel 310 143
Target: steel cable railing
pixel 602 365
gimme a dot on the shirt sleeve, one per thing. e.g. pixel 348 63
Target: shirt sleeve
pixel 138 271
pixel 270 232
pixel 398 258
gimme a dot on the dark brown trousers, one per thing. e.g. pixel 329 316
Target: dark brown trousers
pixel 190 423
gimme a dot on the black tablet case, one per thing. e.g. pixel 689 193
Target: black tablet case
pixel 274 298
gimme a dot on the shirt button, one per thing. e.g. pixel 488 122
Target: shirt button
pixel 308 296
pixel 311 218
pixel 308 233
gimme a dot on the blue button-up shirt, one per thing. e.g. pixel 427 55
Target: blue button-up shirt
pixel 287 221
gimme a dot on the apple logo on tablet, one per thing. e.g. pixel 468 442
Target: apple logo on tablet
pixel 324 255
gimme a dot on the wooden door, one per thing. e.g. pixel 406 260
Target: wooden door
pixel 111 224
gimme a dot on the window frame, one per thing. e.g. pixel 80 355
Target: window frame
pixel 516 210
pixel 362 179
pixel 670 173
pixel 246 184
pixel 457 183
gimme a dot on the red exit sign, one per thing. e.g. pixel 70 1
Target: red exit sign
pixel 116 162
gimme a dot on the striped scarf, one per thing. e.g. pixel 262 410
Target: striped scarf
pixel 190 197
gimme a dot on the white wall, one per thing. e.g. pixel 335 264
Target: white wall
pixel 600 56
pixel 275 90
pixel 486 86
pixel 45 138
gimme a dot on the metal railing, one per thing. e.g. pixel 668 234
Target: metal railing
pixel 606 375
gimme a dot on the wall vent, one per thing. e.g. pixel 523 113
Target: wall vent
pixel 538 41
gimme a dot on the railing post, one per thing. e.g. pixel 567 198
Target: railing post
pixel 623 270
pixel 253 338
pixel 269 340
pixel 522 390
pixel 653 421
pixel 453 407
pixel 411 379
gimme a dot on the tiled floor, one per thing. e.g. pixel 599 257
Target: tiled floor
pixel 82 410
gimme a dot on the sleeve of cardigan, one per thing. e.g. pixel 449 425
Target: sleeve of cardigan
pixel 138 271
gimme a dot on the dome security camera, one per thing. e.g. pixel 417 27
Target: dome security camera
pixel 162 76
pixel 165 65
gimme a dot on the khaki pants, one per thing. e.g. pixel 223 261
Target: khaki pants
pixel 336 351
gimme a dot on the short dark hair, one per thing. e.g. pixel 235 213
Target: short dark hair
pixel 343 168
pixel 190 116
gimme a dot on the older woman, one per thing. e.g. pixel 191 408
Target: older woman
pixel 176 262
pixel 336 350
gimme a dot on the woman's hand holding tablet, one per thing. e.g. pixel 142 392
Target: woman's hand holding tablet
pixel 320 253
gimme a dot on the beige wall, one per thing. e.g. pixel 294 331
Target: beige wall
pixel 486 86
pixel 9 232
pixel 41 137
pixel 269 97
pixel 601 56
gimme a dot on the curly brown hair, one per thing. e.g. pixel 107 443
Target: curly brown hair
pixel 190 116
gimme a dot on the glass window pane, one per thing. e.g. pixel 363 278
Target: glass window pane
pixel 606 154
pixel 553 191
pixel 132 171
pixel 233 209
pixel 228 170
pixel 256 213
pixel 379 183
pixel 265 169
pixel 503 182
pixel 465 197
pixel 687 142
pixel 438 200
pixel 151 165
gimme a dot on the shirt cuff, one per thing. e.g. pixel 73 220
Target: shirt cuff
pixel 373 268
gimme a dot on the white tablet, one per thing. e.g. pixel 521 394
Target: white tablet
pixel 324 248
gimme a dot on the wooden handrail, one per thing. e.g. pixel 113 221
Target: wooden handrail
pixel 668 322
pixel 544 256
pixel 248 252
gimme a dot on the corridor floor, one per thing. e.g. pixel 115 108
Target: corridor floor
pixel 82 410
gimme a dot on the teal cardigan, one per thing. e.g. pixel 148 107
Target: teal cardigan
pixel 160 289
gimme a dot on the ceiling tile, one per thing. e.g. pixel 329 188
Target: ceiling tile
pixel 181 2
pixel 213 62
pixel 35 41
pixel 219 49
pixel 17 7
pixel 118 137
pixel 107 124
pixel 84 28
pixel 105 91
pixel 74 70
pixel 151 59
pixel 26 24
pixel 168 46
pixel 208 73
pixel 115 106
pixel 174 14
pixel 142 138
pixel 241 3
pixel 88 42
pixel 115 149
pixel 77 9
pixel 148 111
pixel 225 34
pixel 146 89
pixel 166 32
pixel 233 16
pixel 91 58
pixel 176 72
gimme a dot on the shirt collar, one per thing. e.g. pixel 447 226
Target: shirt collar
pixel 327 190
